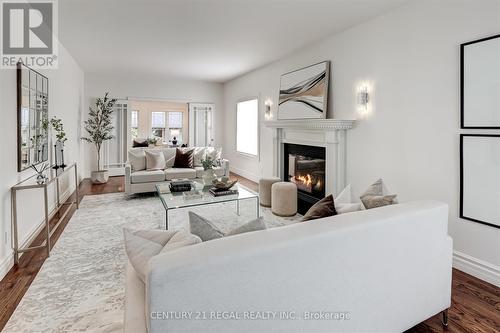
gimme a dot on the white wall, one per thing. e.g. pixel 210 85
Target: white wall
pixel 148 87
pixel 411 138
pixel 66 91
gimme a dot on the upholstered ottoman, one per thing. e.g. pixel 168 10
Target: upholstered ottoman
pixel 265 190
pixel 284 199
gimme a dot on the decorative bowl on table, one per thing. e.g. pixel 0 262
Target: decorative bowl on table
pixel 223 184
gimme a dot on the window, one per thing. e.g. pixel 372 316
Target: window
pixel 134 124
pixel 175 125
pixel 175 120
pixel 158 119
pixel 135 119
pixel 247 127
pixel 158 124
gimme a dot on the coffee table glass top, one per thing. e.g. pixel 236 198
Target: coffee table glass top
pixel 177 200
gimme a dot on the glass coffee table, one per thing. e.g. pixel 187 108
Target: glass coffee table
pixel 177 200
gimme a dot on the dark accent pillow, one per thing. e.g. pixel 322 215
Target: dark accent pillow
pixel 323 208
pixel 140 143
pixel 184 158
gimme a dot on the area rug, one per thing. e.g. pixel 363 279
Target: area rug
pixel 80 288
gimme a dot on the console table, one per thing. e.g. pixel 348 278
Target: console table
pixel 31 183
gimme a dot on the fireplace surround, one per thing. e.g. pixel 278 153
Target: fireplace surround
pixel 326 135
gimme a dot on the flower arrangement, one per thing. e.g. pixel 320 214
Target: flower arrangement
pixel 207 163
pixel 153 140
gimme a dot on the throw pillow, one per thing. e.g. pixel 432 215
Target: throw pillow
pixel 203 228
pixel 214 153
pixel 142 245
pixel 375 197
pixel 137 160
pixel 218 153
pixel 374 201
pixel 140 143
pixel 155 160
pixel 169 156
pixel 206 230
pixel 199 155
pixel 184 158
pixel 254 225
pixel 323 208
pixel 343 202
pixel 375 188
pixel 180 239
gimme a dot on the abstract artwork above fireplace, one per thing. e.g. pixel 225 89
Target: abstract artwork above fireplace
pixel 304 93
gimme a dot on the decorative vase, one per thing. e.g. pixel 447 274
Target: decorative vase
pixel 174 141
pixel 99 177
pixel 40 179
pixel 61 147
pixel 59 157
pixel 208 176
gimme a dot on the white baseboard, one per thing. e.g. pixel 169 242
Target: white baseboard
pixel 476 267
pixel 243 173
pixel 6 264
pixel 35 230
pixel 8 261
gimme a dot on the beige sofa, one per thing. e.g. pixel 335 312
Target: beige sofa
pixel 140 180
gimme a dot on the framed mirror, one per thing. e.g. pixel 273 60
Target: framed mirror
pixel 32 117
pixel 480 83
pixel 480 178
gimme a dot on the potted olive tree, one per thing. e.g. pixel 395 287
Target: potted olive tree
pixel 99 127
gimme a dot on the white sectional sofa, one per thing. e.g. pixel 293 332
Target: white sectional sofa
pixel 140 180
pixel 389 268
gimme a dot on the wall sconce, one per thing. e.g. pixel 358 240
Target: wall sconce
pixel 268 103
pixel 363 98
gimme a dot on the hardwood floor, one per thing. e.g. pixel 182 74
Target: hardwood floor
pixel 245 182
pixel 475 307
pixel 475 303
pixel 17 281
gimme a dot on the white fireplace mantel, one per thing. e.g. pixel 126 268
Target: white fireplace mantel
pixel 327 133
pixel 312 124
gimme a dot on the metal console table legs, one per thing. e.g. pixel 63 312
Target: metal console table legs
pixel 31 183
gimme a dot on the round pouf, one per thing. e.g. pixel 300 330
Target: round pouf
pixel 284 199
pixel 265 190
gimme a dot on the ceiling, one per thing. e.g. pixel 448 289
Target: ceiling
pixel 210 40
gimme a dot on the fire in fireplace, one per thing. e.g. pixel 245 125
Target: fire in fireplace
pixel 305 166
pixel 307 173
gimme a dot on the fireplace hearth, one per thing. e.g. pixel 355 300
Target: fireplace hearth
pixel 306 167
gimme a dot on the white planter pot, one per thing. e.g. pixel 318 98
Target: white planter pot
pixel 99 177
